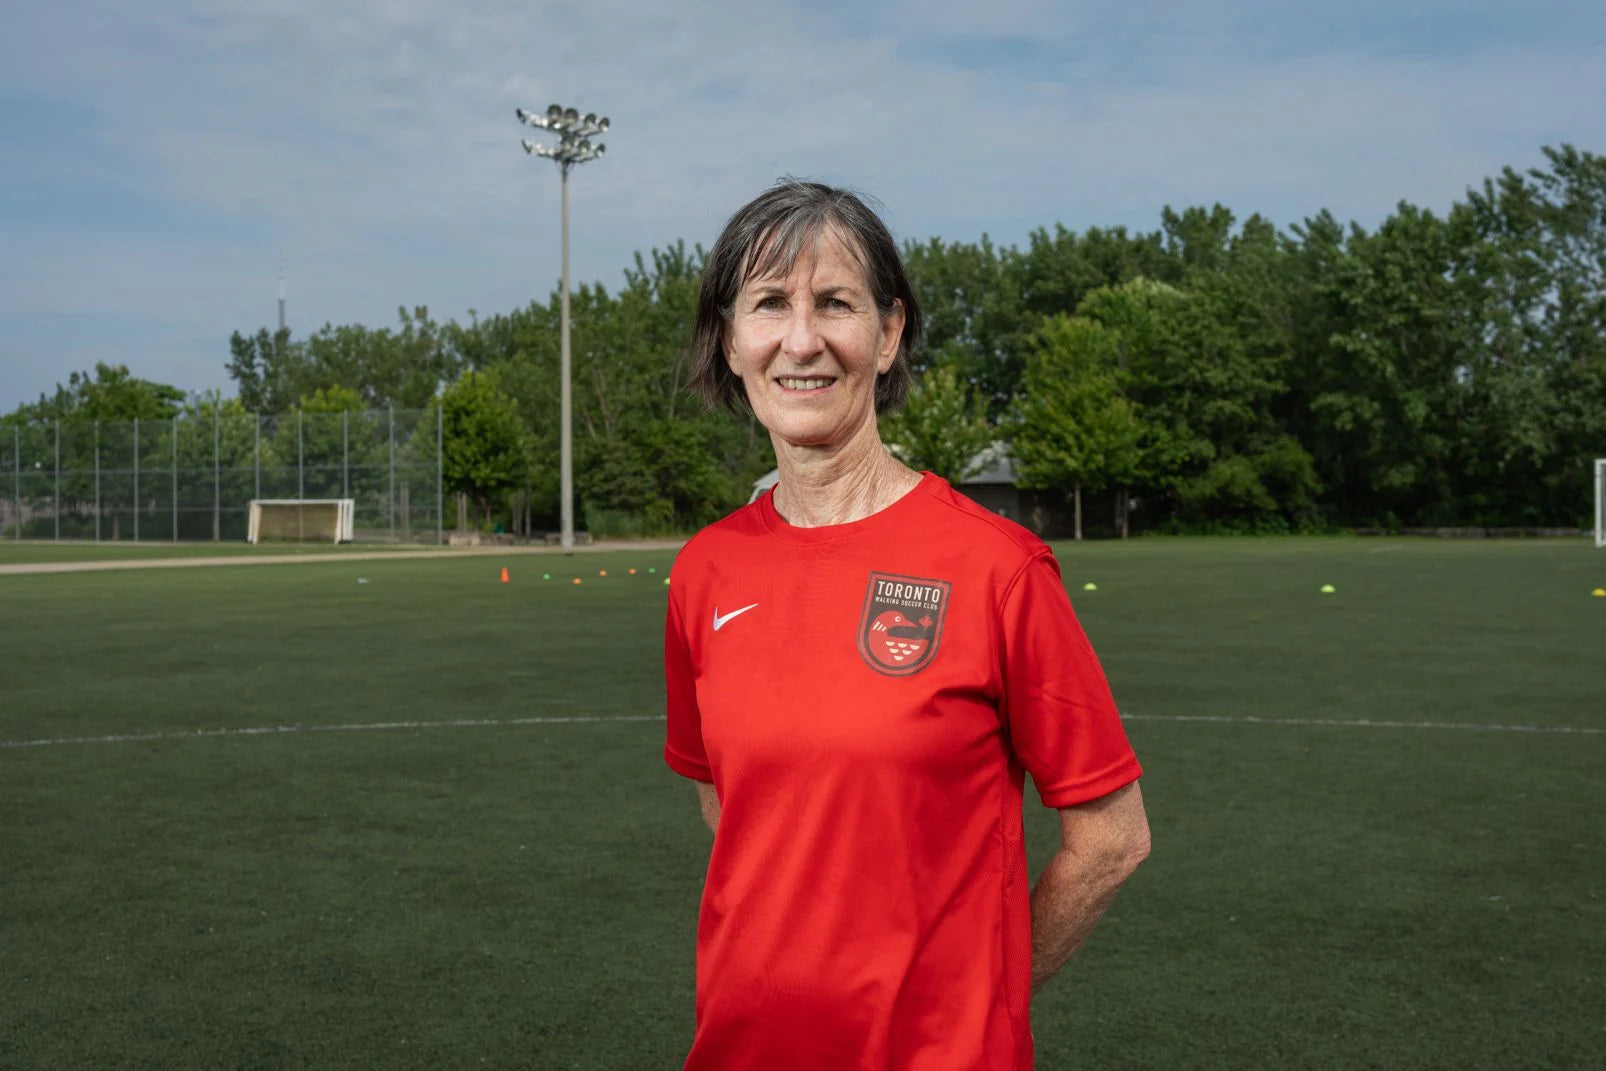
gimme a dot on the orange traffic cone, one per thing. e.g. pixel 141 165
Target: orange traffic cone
pixel 504 574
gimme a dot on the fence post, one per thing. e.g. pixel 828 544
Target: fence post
pixel 97 481
pixel 390 433
pixel 175 479
pixel 217 482
pixel 136 479
pixel 58 479
pixel 440 502
pixel 16 473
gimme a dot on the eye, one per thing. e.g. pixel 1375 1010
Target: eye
pixel 770 302
pixel 836 303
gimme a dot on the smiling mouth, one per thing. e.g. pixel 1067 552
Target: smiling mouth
pixel 805 382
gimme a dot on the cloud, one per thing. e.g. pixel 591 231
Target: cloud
pixel 371 146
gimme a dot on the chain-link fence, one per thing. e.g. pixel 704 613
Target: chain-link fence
pixel 193 477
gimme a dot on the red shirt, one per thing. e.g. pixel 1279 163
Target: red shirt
pixel 865 698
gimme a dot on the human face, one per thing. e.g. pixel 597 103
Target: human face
pixel 808 346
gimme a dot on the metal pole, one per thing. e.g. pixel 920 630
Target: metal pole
pixel 217 481
pixel 345 453
pixel 97 481
pixel 136 479
pixel 440 502
pixel 175 479
pixel 565 426
pixel 58 479
pixel 256 428
pixel 16 473
pixel 301 462
pixel 390 419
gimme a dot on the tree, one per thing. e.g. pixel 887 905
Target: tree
pixel 1075 428
pixel 485 447
pixel 269 370
pixel 942 426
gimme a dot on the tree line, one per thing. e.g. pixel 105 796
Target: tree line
pixel 1210 375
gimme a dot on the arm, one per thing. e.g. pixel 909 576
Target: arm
pixel 1101 844
pixel 709 799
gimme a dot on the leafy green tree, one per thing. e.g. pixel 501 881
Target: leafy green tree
pixel 112 393
pixel 970 295
pixel 942 427
pixel 1075 428
pixel 269 370
pixel 485 446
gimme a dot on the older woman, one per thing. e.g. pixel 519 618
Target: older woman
pixel 861 667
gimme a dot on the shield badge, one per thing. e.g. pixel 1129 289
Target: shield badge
pixel 901 626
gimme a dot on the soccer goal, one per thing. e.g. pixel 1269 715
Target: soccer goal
pixel 1600 502
pixel 301 520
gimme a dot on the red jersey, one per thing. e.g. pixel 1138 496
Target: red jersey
pixel 865 698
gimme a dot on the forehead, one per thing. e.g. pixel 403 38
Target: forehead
pixel 821 252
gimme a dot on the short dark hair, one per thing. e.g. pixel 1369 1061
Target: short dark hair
pixel 765 237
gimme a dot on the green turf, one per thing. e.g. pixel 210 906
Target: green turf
pixel 12 551
pixel 525 895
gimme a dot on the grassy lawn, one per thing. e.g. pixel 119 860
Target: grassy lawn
pixel 13 551
pixel 524 894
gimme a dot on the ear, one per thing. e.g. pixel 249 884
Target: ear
pixel 891 336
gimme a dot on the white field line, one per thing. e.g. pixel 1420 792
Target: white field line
pixel 594 719
pixel 362 727
pixel 1368 723
pixel 438 554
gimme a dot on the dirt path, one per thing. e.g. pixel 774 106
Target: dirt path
pixel 295 559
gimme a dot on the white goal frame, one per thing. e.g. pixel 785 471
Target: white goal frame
pixel 345 515
pixel 1600 502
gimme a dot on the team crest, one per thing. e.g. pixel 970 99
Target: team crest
pixel 902 622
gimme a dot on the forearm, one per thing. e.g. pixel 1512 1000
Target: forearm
pixel 708 803
pixel 1070 896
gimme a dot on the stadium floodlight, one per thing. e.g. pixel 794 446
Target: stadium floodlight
pixel 573 147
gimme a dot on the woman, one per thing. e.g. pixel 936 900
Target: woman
pixel 860 667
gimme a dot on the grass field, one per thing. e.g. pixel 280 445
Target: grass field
pixel 470 887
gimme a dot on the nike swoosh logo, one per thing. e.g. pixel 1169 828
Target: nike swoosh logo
pixel 719 622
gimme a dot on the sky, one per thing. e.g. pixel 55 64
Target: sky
pixel 161 162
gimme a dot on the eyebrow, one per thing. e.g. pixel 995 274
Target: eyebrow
pixel 757 288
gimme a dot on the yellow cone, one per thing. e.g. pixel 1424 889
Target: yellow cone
pixel 1090 586
pixel 1599 593
pixel 1328 589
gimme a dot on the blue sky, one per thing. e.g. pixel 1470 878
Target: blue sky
pixel 159 161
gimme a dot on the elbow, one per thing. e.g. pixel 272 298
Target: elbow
pixel 1134 849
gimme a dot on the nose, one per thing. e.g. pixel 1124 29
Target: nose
pixel 802 341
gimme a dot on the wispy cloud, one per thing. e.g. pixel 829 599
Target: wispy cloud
pixel 156 165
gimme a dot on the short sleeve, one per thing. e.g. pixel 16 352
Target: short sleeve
pixel 1062 721
pixel 683 744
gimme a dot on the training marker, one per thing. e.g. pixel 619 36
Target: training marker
pixel 504 574
pixel 1328 589
pixel 1599 593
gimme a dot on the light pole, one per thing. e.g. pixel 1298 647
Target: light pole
pixel 574 146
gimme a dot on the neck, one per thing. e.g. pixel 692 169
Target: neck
pixel 822 486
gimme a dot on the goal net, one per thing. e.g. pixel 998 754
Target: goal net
pixel 301 520
pixel 1600 502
